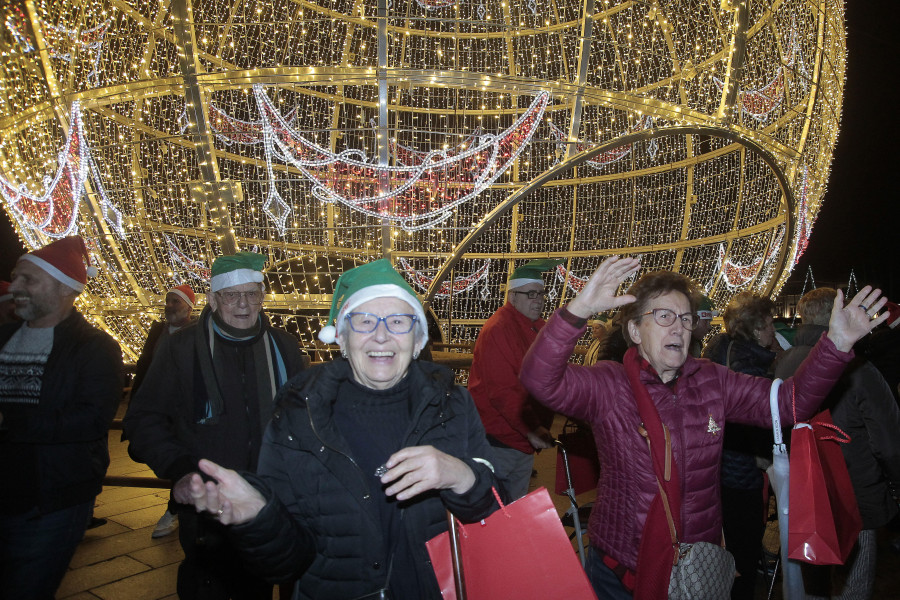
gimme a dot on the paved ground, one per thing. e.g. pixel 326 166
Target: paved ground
pixel 120 561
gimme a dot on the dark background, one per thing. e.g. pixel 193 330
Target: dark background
pixel 857 227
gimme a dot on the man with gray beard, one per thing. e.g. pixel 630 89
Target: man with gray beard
pixel 60 383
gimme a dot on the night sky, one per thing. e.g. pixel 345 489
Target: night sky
pixel 858 227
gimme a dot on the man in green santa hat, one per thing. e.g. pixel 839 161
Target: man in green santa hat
pixel 209 393
pixel 516 424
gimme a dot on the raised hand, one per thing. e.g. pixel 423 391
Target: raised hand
pixel 417 469
pixel 599 293
pixel 230 498
pixel 849 323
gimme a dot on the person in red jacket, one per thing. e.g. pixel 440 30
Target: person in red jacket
pixel 663 395
pixel 515 423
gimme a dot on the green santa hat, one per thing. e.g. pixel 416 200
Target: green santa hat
pixel 706 310
pixel 236 269
pixel 531 271
pixel 377 279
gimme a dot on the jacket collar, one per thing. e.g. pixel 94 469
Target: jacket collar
pixel 317 388
pixel 649 374
pixel 75 319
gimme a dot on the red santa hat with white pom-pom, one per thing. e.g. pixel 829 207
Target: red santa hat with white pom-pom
pixel 65 260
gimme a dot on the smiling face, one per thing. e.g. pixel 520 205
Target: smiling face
pixel 379 359
pixel 530 308
pixel 241 314
pixel 665 348
pixel 40 300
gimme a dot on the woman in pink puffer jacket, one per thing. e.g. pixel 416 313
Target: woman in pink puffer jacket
pixel 631 552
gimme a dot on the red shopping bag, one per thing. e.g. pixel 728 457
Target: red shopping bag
pixel 521 551
pixel 824 518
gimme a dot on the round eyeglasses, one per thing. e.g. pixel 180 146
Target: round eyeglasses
pixel 253 297
pixel 665 317
pixel 362 322
pixel 532 294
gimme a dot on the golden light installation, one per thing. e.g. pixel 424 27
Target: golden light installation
pixel 458 138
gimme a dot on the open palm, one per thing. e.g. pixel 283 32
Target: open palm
pixel 599 293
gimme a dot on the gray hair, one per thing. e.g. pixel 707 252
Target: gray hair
pixel 815 306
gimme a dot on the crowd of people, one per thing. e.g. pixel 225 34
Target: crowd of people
pixel 329 479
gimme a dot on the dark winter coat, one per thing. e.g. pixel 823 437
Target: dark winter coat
pixel 320 516
pixel 65 435
pixel 743 443
pixel 163 421
pixel 862 405
pixel 695 407
pixel 159 330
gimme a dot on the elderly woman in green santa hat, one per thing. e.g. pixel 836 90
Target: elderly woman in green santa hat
pixel 362 458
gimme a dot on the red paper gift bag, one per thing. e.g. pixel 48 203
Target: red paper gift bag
pixel 521 551
pixel 824 518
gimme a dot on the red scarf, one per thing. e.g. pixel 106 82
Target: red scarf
pixel 656 554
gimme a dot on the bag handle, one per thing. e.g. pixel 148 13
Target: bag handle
pixel 457 529
pixel 845 439
pixel 841 440
pixel 794 400
pixel 776 413
pixel 462 528
pixel 459 579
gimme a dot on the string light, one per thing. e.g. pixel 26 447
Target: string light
pixel 460 284
pixel 327 136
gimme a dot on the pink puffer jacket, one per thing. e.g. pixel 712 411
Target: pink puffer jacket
pixel 694 407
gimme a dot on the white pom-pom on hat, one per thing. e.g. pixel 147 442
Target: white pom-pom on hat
pixel 328 334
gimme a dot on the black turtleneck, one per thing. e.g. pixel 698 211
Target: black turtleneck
pixel 375 423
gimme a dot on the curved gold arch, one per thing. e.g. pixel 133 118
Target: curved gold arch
pixel 582 157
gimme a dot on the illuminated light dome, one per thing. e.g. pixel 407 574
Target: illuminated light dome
pixel 457 138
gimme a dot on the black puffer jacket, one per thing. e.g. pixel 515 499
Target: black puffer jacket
pixel 743 443
pixel 324 519
pixel 862 405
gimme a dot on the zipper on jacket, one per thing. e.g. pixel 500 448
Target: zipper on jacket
pixel 315 431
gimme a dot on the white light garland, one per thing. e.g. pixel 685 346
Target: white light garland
pixel 196 269
pixel 610 156
pixel 445 290
pixel 54 212
pixel 418 196
pixel 87 39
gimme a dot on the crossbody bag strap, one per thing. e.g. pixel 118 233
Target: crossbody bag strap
pixel 662 493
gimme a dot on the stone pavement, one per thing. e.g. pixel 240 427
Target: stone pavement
pixel 119 560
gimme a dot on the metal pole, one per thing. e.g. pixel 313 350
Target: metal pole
pixel 456 557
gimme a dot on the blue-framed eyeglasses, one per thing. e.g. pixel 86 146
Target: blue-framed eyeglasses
pixel 665 317
pixel 362 322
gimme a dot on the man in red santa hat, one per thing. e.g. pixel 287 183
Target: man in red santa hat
pixel 177 314
pixel 60 383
